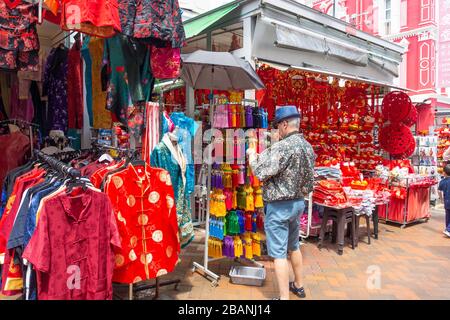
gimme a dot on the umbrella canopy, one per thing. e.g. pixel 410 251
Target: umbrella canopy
pixel 218 70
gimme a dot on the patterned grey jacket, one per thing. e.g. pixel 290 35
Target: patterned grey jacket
pixel 286 168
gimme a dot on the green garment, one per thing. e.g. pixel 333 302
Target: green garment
pixel 161 157
pixel 131 81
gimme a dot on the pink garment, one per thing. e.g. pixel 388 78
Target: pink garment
pixel 166 62
pixel 151 136
pixel 220 117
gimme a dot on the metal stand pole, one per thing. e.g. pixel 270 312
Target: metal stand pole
pixel 196 265
pixel 310 209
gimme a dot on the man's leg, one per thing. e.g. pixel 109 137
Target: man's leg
pixel 277 231
pixel 294 244
pixel 297 267
pixel 282 274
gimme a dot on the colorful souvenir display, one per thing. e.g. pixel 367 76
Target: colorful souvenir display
pixel 338 119
pixel 239 116
pixel 236 201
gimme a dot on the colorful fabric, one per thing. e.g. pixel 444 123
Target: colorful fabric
pixel 85 53
pixel 131 82
pixel 19 42
pixel 188 130
pixel 97 18
pixel 144 206
pixel 166 62
pixel 158 19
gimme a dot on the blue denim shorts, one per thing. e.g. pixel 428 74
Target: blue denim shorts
pixel 282 226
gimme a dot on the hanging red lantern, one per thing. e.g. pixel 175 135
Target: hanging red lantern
pixel 396 139
pixel 412 117
pixel 396 106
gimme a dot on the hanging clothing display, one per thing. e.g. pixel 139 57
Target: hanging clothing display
pixel 168 155
pixel 101 116
pixel 130 83
pixel 144 206
pixel 19 42
pixel 74 87
pixel 83 236
pixel 55 87
pixel 97 18
pixel 87 75
pixel 156 19
pixel 166 62
pixel 49 231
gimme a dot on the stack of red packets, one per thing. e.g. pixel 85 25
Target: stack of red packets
pixel 329 193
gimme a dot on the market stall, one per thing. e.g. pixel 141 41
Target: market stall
pixel 89 152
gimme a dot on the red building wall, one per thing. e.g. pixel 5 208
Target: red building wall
pixel 409 20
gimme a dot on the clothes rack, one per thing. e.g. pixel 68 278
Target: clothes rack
pixel 58 165
pixel 132 288
pixel 74 173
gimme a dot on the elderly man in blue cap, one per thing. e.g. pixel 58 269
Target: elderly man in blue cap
pixel 287 170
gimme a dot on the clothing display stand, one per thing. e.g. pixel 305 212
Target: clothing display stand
pixel 214 278
pixel 200 198
pixel 310 210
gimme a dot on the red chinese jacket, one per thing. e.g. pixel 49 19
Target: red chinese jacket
pixel 143 201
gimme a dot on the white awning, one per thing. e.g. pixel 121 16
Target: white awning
pixel 308 41
pixel 278 42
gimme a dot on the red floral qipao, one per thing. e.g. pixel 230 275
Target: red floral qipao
pixel 144 206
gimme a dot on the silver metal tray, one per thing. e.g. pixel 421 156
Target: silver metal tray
pixel 249 276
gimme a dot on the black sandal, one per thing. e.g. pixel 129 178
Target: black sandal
pixel 299 292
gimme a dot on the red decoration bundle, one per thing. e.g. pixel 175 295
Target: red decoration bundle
pixel 397 138
pixel 330 193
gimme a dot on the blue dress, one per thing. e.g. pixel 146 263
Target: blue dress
pixel 189 128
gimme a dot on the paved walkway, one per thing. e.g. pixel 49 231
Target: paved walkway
pixel 412 263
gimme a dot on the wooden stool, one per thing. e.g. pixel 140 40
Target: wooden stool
pixel 340 217
pixel 357 218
